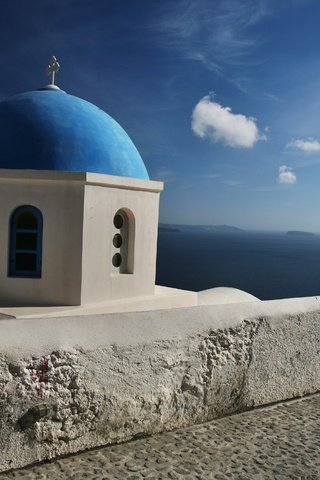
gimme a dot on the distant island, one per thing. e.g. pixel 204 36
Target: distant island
pixel 165 227
pixel 180 228
pixel 299 232
pixel 223 228
pixel 161 228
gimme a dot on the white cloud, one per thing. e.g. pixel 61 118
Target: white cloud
pixel 213 33
pixel 217 123
pixel 286 175
pixel 272 96
pixel 310 145
pixel 232 183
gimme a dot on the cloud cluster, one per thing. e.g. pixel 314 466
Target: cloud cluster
pixel 213 33
pixel 219 124
pixel 310 145
pixel 286 175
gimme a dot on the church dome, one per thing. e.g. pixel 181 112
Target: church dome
pixel 48 129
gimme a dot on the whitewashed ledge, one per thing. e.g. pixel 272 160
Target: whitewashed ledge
pixel 71 383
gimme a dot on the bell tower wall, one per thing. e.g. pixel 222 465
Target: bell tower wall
pixel 119 238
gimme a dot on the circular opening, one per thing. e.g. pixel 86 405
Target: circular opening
pixel 118 221
pixel 117 240
pixel 116 260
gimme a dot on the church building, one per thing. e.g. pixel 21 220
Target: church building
pixel 79 214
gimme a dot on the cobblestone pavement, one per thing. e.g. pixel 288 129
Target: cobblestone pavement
pixel 278 442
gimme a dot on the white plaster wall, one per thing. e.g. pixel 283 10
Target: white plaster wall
pixel 100 280
pixel 78 210
pixel 81 382
pixel 61 204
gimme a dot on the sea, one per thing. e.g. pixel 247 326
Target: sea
pixel 269 265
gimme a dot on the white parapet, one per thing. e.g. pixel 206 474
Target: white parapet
pixel 76 382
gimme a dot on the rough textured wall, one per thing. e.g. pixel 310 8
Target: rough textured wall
pixel 63 400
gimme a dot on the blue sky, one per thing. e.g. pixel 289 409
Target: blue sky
pixel 221 97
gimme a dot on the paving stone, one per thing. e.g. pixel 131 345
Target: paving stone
pixel 274 443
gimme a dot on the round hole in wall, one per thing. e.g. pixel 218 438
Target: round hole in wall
pixel 116 260
pixel 118 221
pixel 117 240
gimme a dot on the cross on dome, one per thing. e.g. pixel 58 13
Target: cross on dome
pixel 52 68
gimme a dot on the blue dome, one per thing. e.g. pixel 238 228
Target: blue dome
pixel 51 130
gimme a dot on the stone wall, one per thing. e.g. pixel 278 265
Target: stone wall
pixel 67 384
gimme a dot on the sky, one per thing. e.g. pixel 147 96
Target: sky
pixel 221 97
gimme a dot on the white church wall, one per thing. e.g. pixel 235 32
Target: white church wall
pixel 101 280
pixel 61 205
pixel 78 212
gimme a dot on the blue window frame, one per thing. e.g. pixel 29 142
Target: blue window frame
pixel 25 255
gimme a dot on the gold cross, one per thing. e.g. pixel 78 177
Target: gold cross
pixel 52 68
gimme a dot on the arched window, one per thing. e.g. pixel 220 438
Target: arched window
pixel 123 241
pixel 25 252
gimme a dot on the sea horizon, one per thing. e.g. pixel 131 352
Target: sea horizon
pixel 269 265
pixel 237 228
